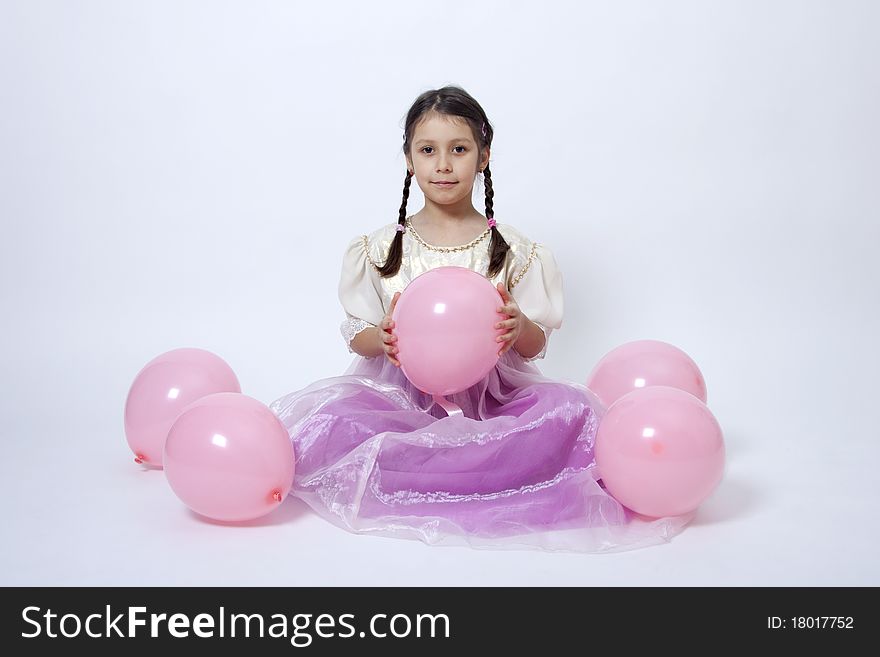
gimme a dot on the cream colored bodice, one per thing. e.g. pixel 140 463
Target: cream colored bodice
pixel 530 274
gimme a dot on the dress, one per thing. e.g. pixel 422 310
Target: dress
pixel 374 454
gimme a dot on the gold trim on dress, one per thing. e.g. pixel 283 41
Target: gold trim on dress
pixel 526 267
pixel 445 249
pixel 463 247
pixel 367 252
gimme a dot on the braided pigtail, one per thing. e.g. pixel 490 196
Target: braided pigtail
pixel 498 247
pixel 395 253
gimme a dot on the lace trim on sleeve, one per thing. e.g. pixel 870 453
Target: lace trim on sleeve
pixel 350 327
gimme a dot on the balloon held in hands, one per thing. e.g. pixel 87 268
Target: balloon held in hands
pixel 445 326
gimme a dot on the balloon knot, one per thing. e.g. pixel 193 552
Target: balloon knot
pixel 276 495
pixel 139 458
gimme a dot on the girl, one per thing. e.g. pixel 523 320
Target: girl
pixel 374 454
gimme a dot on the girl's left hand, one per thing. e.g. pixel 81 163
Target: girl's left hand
pixel 514 323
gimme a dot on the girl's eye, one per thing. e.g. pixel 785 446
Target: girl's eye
pixel 431 147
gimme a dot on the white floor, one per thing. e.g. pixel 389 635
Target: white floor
pixel 797 507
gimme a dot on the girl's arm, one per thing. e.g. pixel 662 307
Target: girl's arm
pixel 531 340
pixel 378 340
pixel 368 343
pixel 526 336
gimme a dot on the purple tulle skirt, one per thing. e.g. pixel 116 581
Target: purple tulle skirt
pixel 515 469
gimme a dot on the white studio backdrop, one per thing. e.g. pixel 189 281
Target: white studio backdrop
pixel 188 174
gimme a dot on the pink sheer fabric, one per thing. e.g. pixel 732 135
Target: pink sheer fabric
pixel 375 455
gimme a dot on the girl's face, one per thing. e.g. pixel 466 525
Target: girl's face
pixel 443 149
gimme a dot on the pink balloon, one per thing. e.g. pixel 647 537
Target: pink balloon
pixel 445 326
pixel 229 457
pixel 641 364
pixel 659 451
pixel 162 389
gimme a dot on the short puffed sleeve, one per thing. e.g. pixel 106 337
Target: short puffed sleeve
pixel 358 291
pixel 537 288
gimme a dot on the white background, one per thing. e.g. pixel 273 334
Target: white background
pixel 188 174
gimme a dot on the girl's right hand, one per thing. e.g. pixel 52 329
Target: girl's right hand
pixel 389 340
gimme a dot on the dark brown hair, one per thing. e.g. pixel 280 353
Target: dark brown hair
pixel 452 101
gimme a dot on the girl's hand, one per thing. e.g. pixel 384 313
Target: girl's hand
pixel 387 338
pixel 514 322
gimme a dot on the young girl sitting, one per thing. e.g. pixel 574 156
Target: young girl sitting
pixel 374 454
